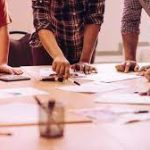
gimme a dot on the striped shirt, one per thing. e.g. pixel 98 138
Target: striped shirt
pixel 66 19
pixel 4 18
pixel 132 14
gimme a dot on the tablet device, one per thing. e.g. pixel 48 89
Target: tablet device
pixel 9 78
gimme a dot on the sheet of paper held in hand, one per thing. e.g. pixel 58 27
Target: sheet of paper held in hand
pixel 92 87
pixel 18 92
pixel 123 98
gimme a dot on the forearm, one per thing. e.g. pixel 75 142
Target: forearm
pixel 50 44
pixel 4 48
pixel 90 37
pixel 130 41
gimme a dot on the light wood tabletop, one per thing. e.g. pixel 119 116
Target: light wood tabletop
pixel 86 136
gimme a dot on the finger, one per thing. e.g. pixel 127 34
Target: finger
pixel 87 69
pixel 54 65
pixel 147 75
pixel 6 70
pixel 17 71
pixel 94 70
pixel 73 67
pixel 120 68
pixel 141 73
pixel 57 70
pixel 127 67
pixel 62 70
pixel 67 72
pixel 136 68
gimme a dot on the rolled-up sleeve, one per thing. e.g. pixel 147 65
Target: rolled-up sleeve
pixel 95 13
pixel 131 16
pixel 40 20
pixel 41 14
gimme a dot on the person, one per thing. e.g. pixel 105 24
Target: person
pixel 4 40
pixel 130 32
pixel 68 31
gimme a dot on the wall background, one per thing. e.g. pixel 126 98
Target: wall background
pixel 109 38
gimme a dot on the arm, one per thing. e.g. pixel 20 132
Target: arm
pixel 89 42
pixel 4 40
pixel 130 33
pixel 4 49
pixel 47 37
pixel 93 21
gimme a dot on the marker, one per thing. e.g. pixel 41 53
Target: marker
pixel 73 81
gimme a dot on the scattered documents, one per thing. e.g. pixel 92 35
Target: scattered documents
pixel 111 76
pixel 92 87
pixel 19 112
pixel 123 98
pixel 18 92
pixel 114 114
pixel 26 113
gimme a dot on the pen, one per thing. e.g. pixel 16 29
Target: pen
pixel 137 120
pixel 73 81
pixel 141 112
pixel 5 134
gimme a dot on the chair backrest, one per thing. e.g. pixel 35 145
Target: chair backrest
pixel 20 51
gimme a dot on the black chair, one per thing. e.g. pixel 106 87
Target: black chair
pixel 20 51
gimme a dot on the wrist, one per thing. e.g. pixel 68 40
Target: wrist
pixel 130 59
pixel 84 60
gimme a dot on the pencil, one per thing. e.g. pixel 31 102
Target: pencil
pixel 38 124
pixel 5 134
pixel 73 81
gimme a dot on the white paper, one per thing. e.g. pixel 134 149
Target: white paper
pixel 113 114
pixel 18 92
pixel 18 113
pixel 92 87
pixel 123 98
pixel 111 76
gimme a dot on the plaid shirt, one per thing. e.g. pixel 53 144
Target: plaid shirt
pixel 4 18
pixel 66 19
pixel 132 14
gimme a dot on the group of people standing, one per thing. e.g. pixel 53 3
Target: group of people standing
pixel 66 34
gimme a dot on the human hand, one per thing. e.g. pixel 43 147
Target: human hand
pixel 61 66
pixel 4 68
pixel 146 74
pixel 143 70
pixel 127 66
pixel 84 67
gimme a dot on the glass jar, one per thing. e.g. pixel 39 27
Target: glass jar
pixel 51 119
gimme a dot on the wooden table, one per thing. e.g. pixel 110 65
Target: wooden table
pixel 89 136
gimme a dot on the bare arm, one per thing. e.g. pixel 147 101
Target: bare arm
pixel 130 41
pixel 4 40
pixel 43 27
pixel 4 50
pixel 90 37
pixel 130 31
